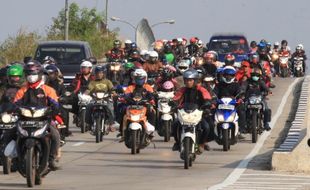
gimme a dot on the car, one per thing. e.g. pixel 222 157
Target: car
pixel 235 44
pixel 67 54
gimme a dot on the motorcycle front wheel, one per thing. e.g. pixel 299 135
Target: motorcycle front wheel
pixel 30 166
pixel 98 129
pixel 187 152
pixel 226 143
pixel 7 164
pixel 254 126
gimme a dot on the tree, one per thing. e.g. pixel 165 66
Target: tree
pixel 15 48
pixel 84 24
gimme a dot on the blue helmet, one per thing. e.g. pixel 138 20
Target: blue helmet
pixel 51 69
pixel 100 68
pixel 134 45
pixel 229 73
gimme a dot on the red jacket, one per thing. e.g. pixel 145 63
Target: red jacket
pixel 198 95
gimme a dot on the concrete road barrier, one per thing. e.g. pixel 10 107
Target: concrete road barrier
pixel 293 154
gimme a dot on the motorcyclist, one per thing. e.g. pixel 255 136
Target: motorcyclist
pixel 196 94
pixel 276 47
pixel 56 82
pixel 285 47
pixel 210 66
pixel 127 48
pixel 300 52
pixel 192 48
pixel 168 74
pixel 229 60
pixel 158 46
pixel 253 47
pixel 35 93
pixel 144 56
pixel 153 65
pixel 244 72
pixel 16 80
pixel 129 67
pixel 100 84
pixel 139 79
pixel 116 53
pixel 255 85
pixel 228 87
pixel 80 82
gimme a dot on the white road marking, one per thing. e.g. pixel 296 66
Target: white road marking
pixel 242 166
pixel 78 144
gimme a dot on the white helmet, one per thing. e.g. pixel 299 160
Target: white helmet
pixel 180 40
pixel 276 44
pixel 200 43
pixel 153 55
pixel 139 77
pixel 183 65
pixel 128 42
pixel 144 52
pixel 299 47
pixel 86 64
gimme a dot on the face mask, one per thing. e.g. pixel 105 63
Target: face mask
pixel 32 78
pixel 255 78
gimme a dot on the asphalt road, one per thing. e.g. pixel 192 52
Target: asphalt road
pixel 109 165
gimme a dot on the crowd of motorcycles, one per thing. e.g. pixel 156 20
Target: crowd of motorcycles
pixel 28 151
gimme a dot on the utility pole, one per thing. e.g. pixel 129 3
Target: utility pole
pixel 66 19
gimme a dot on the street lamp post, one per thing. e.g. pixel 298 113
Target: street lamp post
pixel 135 27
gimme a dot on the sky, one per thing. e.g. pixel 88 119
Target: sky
pixel 257 19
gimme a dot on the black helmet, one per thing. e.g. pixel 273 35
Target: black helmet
pixel 93 60
pixel 283 42
pixel 191 74
pixel 253 44
pixel 33 67
pixel 49 60
pixel 100 68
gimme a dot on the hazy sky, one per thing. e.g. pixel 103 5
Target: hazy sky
pixel 273 20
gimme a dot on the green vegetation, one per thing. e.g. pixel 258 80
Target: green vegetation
pixel 84 25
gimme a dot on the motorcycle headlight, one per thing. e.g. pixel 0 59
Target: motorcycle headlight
pixel 67 93
pixel 39 131
pixel 255 100
pixel 100 95
pixel 39 112
pixel 22 131
pixel 6 118
pixel 135 117
pixel 25 112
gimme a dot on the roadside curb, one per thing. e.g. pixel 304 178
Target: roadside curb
pixel 291 155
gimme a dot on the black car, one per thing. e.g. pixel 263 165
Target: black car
pixel 68 55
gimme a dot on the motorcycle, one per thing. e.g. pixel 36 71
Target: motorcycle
pixel 7 139
pixel 189 117
pixel 114 72
pixel 284 64
pixel 135 125
pixel 33 143
pixel 165 114
pixel 226 123
pixel 84 100
pixel 254 115
pixel 298 69
pixel 99 115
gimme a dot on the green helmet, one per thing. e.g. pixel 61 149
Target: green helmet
pixel 169 57
pixel 15 70
pixel 129 65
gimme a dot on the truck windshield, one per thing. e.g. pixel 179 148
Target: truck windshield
pixel 223 46
pixel 63 55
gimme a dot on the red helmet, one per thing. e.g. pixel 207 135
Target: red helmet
pixel 193 40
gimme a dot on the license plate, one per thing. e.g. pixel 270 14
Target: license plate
pixel 34 124
pixel 226 107
pixel 6 126
pixel 258 106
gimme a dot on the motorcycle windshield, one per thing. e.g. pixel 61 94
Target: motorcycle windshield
pixel 190 107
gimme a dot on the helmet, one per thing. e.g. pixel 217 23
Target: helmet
pixel 229 59
pixel 199 43
pixel 183 65
pixel 191 74
pixel 299 47
pixel 153 55
pixel 276 44
pixel 168 71
pixel 254 58
pixel 193 40
pixel 117 43
pixel 284 42
pixel 15 70
pixel 139 77
pixel 93 60
pixel 34 71
pixel 263 41
pixel 51 69
pixel 129 65
pixel 168 86
pixel 86 64
pixel 180 40
pixel 229 73
pixel 15 74
pixel 209 56
pixel 144 52
pixel 253 44
pixel 49 60
pixel 209 78
pixel 100 68
pixel 158 46
pixel 134 45
pixel 128 42
pixel 245 64
pixel 135 54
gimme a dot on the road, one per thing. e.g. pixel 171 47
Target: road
pixel 109 165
